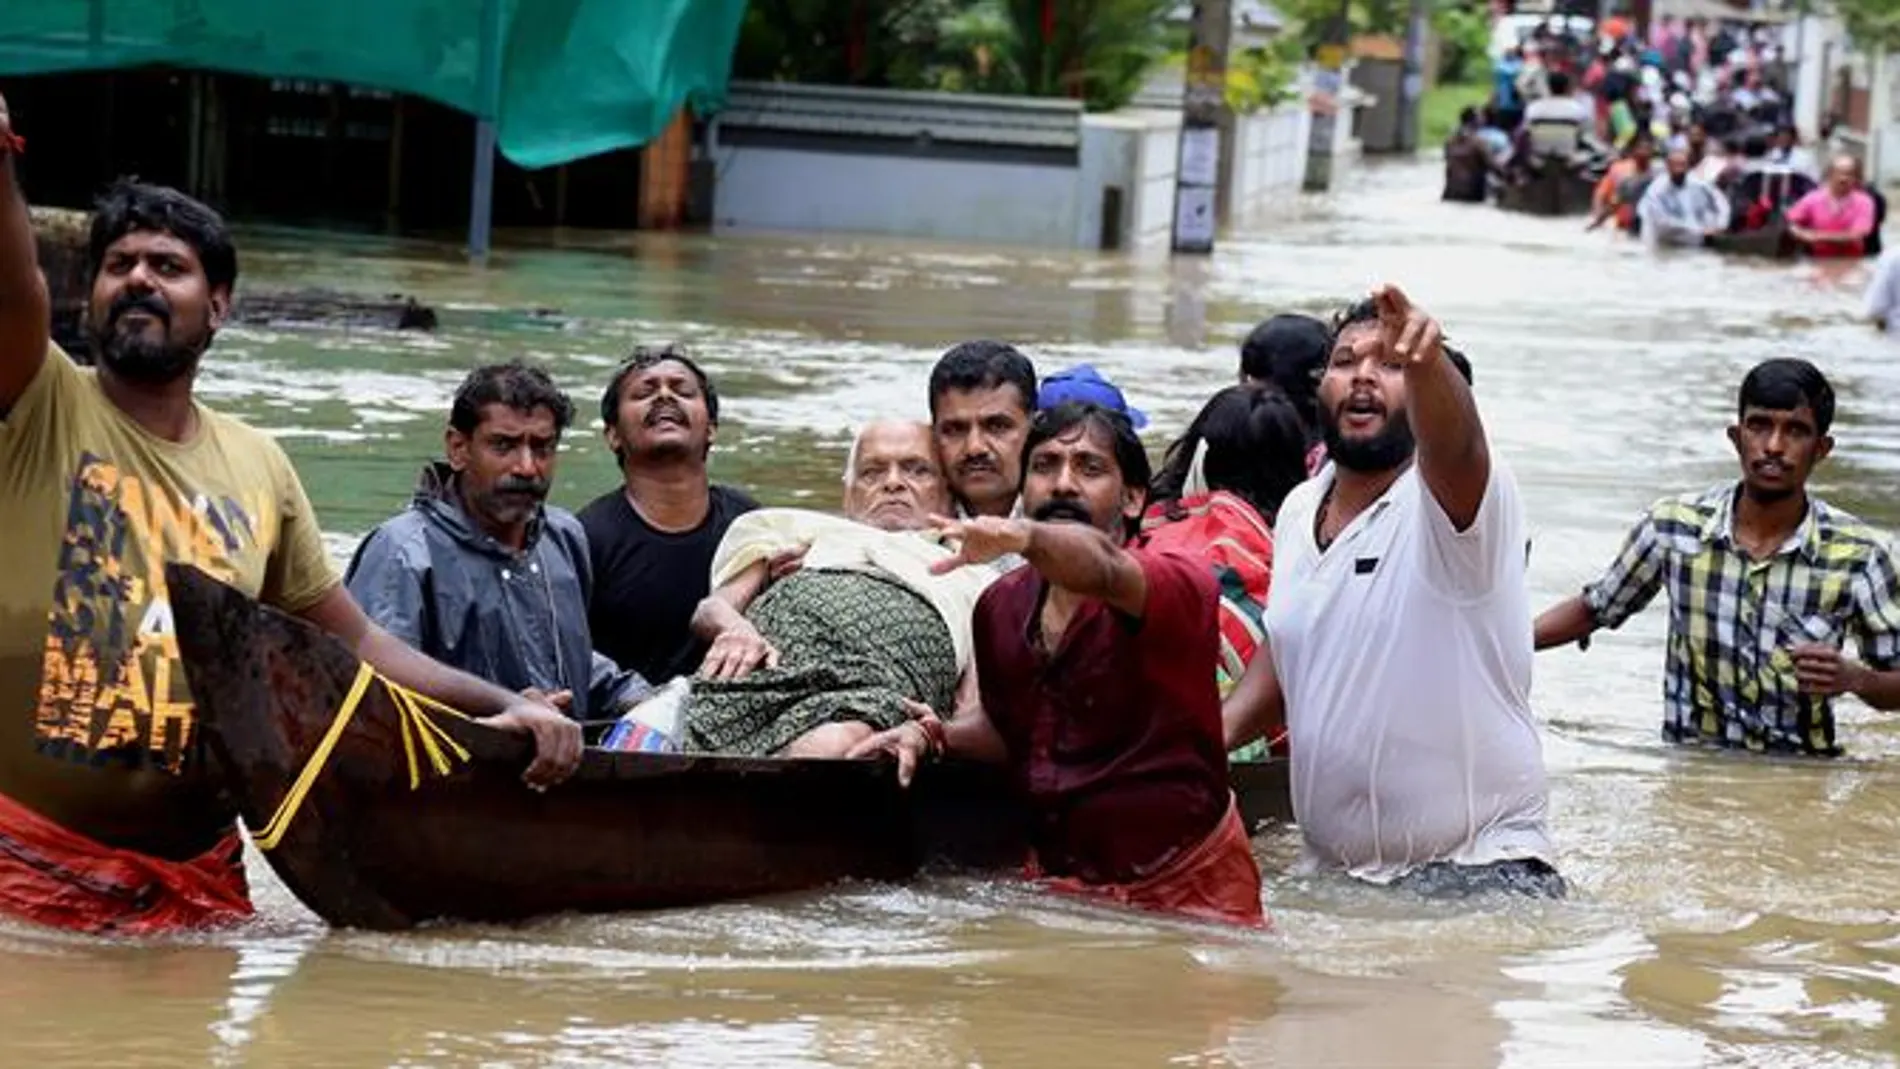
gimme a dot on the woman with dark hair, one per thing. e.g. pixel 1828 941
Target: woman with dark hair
pixel 1252 446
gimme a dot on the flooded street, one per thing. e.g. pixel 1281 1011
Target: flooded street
pixel 1724 912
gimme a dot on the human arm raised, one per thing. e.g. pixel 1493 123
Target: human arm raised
pixel 557 739
pixel 1073 556
pixel 24 309
pixel 1453 459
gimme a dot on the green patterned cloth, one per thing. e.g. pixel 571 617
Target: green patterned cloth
pixel 851 646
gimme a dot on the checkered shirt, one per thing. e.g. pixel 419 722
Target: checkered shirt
pixel 1729 679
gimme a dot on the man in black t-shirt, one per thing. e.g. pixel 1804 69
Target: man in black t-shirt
pixel 652 537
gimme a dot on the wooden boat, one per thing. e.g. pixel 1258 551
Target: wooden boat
pixel 394 812
pixel 1556 191
pixel 1768 242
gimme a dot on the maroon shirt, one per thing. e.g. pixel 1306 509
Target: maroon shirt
pixel 1116 738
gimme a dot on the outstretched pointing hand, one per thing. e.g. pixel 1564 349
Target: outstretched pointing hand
pixel 979 540
pixel 1408 332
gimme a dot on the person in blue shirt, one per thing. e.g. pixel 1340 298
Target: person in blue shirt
pixel 1505 103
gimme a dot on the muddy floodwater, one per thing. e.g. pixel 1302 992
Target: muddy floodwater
pixel 1726 912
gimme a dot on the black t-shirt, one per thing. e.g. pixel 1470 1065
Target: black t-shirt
pixel 648 582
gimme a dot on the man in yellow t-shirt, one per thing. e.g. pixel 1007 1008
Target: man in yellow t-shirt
pixel 108 822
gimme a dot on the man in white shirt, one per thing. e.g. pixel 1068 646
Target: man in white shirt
pixel 1556 125
pixel 1399 630
pixel 1786 151
pixel 1883 294
pixel 1681 209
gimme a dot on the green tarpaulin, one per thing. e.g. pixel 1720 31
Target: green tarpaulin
pixel 573 78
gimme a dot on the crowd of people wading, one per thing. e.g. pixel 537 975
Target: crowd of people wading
pixel 1687 135
pixel 1327 567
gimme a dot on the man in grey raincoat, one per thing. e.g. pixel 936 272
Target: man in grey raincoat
pixel 479 572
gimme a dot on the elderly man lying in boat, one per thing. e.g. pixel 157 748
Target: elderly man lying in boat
pixel 807 660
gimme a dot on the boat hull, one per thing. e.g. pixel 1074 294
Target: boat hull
pixel 1771 242
pixel 1554 192
pixel 371 846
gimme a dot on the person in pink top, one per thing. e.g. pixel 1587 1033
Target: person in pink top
pixel 1835 219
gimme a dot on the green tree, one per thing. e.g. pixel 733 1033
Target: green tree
pixel 1463 27
pixel 1095 51
pixel 1874 24
pixel 839 42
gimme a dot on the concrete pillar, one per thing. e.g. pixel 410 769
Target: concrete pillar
pixel 481 201
pixel 1197 171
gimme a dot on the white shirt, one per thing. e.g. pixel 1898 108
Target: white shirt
pixel 1681 215
pixel 1557 124
pixel 1883 293
pixel 1568 109
pixel 1795 159
pixel 1404 651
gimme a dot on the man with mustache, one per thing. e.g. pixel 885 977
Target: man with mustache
pixel 1765 583
pixel 479 571
pixel 113 822
pixel 652 537
pixel 1397 626
pixel 1095 667
pixel 982 394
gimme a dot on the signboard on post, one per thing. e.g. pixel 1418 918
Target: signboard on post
pixel 1197 166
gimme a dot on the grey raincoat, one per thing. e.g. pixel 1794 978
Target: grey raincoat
pixel 432 578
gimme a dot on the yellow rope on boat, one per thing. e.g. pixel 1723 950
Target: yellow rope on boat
pixel 419 731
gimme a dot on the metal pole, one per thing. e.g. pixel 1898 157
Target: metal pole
pixel 1797 70
pixel 1412 80
pixel 1197 163
pixel 481 204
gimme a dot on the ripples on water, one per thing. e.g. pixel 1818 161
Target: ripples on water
pixel 1726 912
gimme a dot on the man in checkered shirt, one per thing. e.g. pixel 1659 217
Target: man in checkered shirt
pixel 1765 584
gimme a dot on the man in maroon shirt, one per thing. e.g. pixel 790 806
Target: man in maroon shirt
pixel 1096 669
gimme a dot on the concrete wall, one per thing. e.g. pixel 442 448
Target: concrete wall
pixel 1134 151
pixel 953 166
pixel 765 188
pixel 965 168
pixel 1825 53
pixel 1812 35
pixel 1883 155
pixel 1269 156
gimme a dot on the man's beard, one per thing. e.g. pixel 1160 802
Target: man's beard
pixel 134 356
pixel 1386 450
